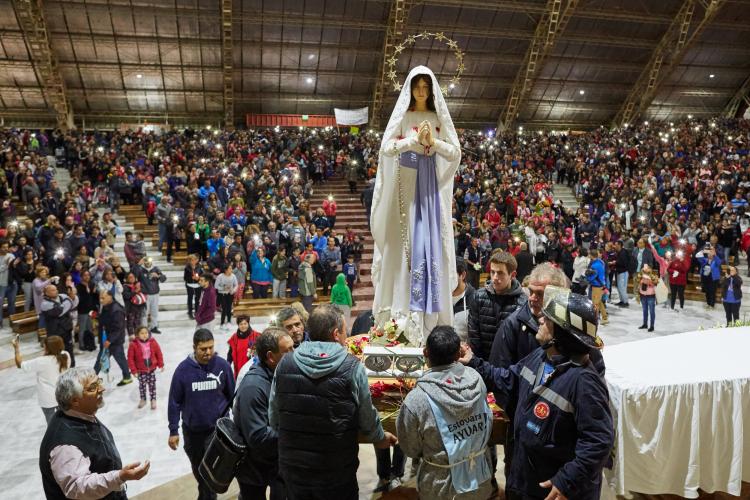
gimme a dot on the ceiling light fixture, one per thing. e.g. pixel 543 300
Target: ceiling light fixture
pixel 581 91
pixel 139 75
pixel 309 80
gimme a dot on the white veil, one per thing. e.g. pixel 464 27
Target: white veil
pixel 385 210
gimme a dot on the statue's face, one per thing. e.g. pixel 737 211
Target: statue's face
pixel 421 91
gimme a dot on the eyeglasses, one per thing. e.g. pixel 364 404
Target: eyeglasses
pixel 95 388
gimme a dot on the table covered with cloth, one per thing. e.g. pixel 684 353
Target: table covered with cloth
pixel 681 405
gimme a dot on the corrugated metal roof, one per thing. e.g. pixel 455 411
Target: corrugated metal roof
pixel 164 57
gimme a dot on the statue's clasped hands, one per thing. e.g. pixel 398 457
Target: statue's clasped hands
pixel 425 134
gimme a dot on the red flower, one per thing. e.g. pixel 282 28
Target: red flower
pixel 323 355
pixel 448 381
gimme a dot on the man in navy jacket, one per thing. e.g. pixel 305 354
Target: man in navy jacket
pixel 260 468
pixel 563 426
pixel 201 391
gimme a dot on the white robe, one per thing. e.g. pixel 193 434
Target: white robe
pixel 391 274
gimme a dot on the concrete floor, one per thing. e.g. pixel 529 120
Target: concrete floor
pixel 142 434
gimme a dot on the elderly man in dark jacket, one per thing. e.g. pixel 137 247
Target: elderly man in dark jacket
pixel 260 468
pixel 493 303
pixel 112 330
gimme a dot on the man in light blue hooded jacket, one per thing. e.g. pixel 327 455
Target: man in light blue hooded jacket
pixel 445 421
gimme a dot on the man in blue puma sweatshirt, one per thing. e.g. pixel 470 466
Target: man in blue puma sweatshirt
pixel 201 390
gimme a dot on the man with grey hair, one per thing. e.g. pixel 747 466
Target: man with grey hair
pixel 516 336
pixel 320 402
pixel 78 457
pixel 289 319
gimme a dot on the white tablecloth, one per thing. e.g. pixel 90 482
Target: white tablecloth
pixel 682 413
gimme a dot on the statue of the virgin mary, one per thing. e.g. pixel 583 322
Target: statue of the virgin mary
pixel 414 268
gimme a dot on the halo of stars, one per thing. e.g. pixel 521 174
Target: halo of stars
pixel 425 35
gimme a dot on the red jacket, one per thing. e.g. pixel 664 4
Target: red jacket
pixel 238 349
pixel 681 268
pixel 137 363
pixel 329 208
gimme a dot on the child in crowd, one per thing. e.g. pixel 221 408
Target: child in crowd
pixel 144 357
pixel 293 277
pixel 350 271
pixel 341 296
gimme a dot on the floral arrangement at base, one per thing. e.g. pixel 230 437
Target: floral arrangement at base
pixel 391 334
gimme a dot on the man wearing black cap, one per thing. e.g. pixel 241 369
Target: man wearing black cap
pixel 563 426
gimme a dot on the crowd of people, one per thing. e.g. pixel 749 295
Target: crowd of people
pixel 657 202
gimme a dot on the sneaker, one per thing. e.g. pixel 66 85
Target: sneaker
pixel 153 404
pixel 395 483
pixel 651 329
pixel 155 330
pixel 141 403
pixel 604 322
pixel 642 327
pixel 125 381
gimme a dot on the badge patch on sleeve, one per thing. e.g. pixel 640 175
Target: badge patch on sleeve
pixel 541 410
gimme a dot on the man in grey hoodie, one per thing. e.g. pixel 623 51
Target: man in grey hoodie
pixel 320 402
pixel 445 421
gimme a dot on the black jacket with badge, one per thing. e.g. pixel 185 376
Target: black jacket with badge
pixel 563 428
pixel 487 313
pixel 261 464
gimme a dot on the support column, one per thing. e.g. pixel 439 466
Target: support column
pixel 668 54
pixel 30 15
pixel 397 18
pixel 227 62
pixel 553 22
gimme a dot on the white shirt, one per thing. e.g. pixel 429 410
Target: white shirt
pixel 461 319
pixel 47 372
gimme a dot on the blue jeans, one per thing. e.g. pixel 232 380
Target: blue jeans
pixel 10 291
pixel 162 235
pixel 648 303
pixel 622 286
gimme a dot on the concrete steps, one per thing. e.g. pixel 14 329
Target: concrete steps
pixel 173 297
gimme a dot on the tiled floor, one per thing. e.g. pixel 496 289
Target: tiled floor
pixel 142 434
